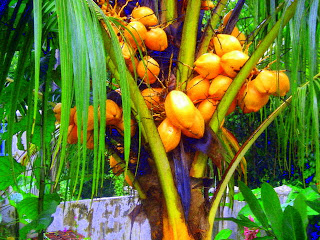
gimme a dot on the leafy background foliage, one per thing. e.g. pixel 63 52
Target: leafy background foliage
pixel 33 41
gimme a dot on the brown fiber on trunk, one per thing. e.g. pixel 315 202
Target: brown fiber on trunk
pixel 152 205
pixel 197 221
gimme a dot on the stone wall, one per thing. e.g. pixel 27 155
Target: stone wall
pixel 121 218
pixel 103 219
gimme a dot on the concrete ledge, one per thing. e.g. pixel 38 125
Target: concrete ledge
pixel 103 218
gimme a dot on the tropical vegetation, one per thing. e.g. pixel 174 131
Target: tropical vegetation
pixel 157 90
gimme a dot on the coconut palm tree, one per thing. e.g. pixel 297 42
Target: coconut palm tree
pixel 78 53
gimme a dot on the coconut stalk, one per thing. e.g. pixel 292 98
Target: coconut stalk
pixel 188 43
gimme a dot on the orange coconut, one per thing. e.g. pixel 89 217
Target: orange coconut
pixel 197 128
pixel 265 82
pixel 170 135
pixel 224 43
pixel 242 38
pixel 72 134
pixel 232 106
pixel 127 51
pixel 90 122
pixel 219 86
pixel 197 89
pixel 57 108
pixel 232 62
pixel 156 39
pixel 90 139
pixel 235 32
pixel 57 111
pixel 72 113
pixel 179 109
pixel 227 17
pixel 148 69
pixel 128 180
pixel 208 65
pixel 283 83
pixel 145 15
pixel 153 98
pixel 120 127
pixel 58 117
pixel 113 112
pixel 132 64
pixel 250 99
pixel 207 5
pixel 115 166
pixel 57 114
pixel 135 33
pixel 207 108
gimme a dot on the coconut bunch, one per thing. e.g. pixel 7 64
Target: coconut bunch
pixel 144 32
pixel 178 113
pixel 114 120
pixel 186 113
pixel 175 114
pixel 218 68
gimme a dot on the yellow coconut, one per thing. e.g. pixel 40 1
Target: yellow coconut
pixel 197 128
pixel 224 43
pixel 170 135
pixel 148 69
pixel 283 84
pixel 197 89
pixel 179 109
pixel 265 82
pixel 232 62
pixel 219 86
pixel 208 65
pixel 250 99
pixel 156 39
pixel 207 108
pixel 145 15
